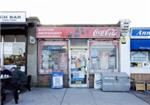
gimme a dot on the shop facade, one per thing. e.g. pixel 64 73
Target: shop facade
pixel 13 39
pixel 18 43
pixel 140 53
pixel 79 51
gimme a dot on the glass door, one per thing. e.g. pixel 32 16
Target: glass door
pixel 78 67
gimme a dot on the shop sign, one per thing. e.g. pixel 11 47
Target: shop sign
pixel 123 40
pixel 140 33
pixel 8 17
pixel 78 32
pixel 49 32
pixel 108 32
pixel 139 56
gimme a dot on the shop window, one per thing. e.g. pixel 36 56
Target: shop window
pixel 140 59
pixel 14 52
pixel 103 58
pixel 53 56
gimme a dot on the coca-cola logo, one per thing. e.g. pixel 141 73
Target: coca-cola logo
pixel 105 32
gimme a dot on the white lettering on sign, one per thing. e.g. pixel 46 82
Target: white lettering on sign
pixel 105 32
pixel 46 29
pixel 143 33
pixel 49 33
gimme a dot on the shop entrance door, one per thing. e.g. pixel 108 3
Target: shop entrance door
pixel 78 67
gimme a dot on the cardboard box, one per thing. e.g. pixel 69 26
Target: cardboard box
pixel 140 86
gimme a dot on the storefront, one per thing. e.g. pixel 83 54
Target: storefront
pixel 140 53
pixel 13 40
pixel 77 50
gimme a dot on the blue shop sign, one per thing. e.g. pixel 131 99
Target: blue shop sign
pixel 140 33
pixel 140 44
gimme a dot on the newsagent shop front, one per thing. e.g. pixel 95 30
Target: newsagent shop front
pixel 140 53
pixel 79 51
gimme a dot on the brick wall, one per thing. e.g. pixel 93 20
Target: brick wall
pixel 46 80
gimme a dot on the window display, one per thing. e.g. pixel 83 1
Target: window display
pixel 14 54
pixel 140 59
pixel 53 56
pixel 103 57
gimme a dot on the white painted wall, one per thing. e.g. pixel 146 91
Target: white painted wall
pixel 140 70
pixel 125 56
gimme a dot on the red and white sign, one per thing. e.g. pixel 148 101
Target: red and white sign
pixel 78 32
pixel 49 32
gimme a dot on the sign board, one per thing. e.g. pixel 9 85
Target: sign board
pixel 78 32
pixel 140 32
pixel 10 17
pixel 57 79
pixel 139 56
pixel 97 81
pixel 123 40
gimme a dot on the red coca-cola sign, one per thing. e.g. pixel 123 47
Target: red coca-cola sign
pixel 78 32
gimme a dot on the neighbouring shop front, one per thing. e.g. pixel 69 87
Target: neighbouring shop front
pixel 140 53
pixel 79 51
pixel 13 36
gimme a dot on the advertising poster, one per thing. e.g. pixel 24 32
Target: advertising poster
pixel 53 56
pixel 104 63
pixel 57 79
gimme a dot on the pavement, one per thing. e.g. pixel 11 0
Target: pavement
pixel 76 96
pixel 143 95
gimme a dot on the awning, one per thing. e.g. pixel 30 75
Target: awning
pixel 13 28
pixel 140 44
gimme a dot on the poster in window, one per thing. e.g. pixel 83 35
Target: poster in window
pixel 104 56
pixel 8 48
pixel 18 48
pixel 139 56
